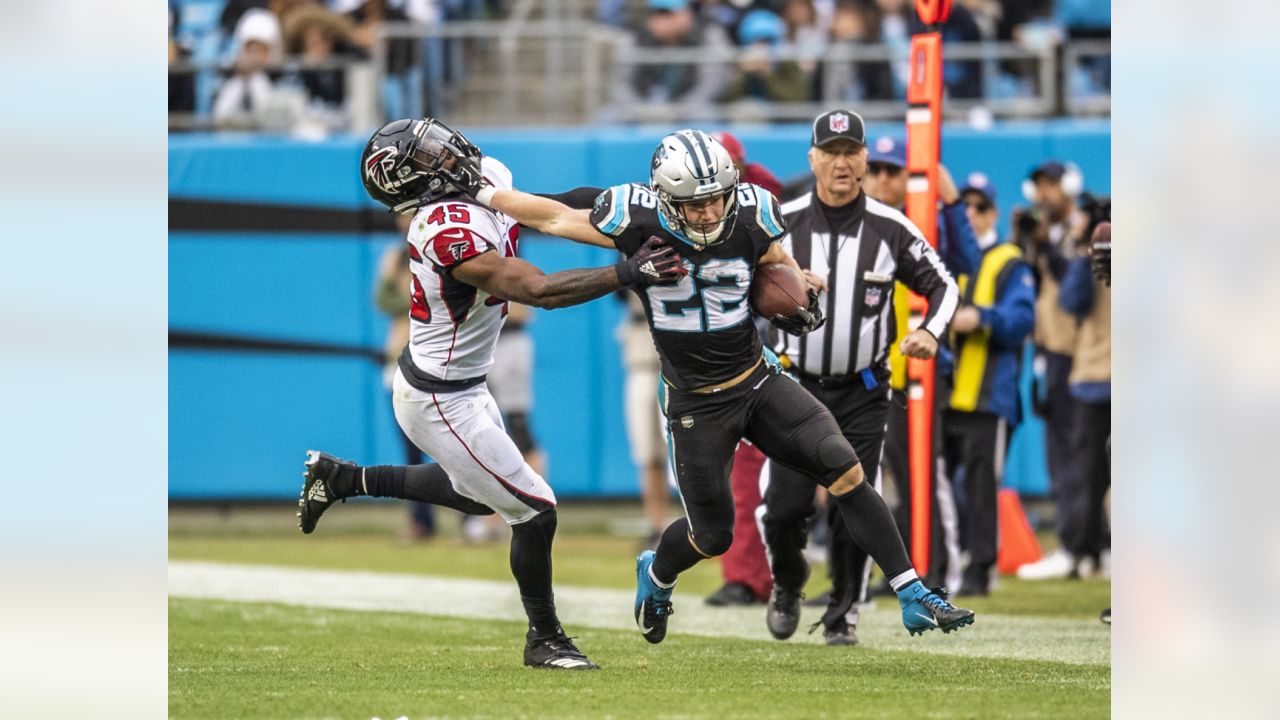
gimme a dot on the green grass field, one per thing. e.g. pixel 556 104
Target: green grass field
pixel 1037 649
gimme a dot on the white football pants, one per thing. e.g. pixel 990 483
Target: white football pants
pixel 463 432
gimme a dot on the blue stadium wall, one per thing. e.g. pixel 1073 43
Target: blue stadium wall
pixel 241 415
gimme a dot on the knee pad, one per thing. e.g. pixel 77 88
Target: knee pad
pixel 544 522
pixel 835 455
pixel 712 542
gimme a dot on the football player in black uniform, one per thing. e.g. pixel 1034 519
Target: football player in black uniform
pixel 719 385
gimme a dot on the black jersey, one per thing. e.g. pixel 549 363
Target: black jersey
pixel 702 326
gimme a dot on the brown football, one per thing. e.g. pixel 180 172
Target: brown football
pixel 778 289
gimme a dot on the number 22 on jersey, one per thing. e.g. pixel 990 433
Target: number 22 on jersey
pixel 713 296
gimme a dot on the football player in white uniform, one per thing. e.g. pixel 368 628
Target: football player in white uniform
pixel 462 256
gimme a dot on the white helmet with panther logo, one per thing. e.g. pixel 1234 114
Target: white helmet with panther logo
pixel 690 165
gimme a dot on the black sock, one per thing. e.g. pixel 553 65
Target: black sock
pixel 421 483
pixel 675 553
pixel 531 565
pixel 872 527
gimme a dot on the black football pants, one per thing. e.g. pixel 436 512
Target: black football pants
pixel 977 442
pixel 772 412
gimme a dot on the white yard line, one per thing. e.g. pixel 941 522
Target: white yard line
pixel 1003 636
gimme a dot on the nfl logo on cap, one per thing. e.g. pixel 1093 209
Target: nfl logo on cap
pixel 839 122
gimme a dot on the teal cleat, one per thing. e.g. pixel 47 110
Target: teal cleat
pixel 924 609
pixel 653 603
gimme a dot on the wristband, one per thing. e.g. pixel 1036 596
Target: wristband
pixel 485 196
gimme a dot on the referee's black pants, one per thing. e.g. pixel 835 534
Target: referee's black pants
pixel 944 532
pixel 789 507
pixel 974 445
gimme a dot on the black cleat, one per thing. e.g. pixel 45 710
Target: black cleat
pixel 783 613
pixel 653 603
pixel 555 652
pixel 317 493
pixel 848 636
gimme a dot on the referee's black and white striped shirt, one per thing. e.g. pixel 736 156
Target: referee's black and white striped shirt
pixel 873 246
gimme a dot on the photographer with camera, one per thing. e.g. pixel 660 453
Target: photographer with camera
pixel 1049 233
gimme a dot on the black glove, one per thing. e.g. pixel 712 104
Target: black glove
pixel 803 320
pixel 655 263
pixel 466 177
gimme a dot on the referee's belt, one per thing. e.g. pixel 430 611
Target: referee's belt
pixel 867 377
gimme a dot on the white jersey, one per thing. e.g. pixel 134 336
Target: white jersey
pixel 453 327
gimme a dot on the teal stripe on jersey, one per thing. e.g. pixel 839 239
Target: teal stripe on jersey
pixel 768 221
pixel 617 212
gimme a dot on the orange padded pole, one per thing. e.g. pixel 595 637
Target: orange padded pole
pixel 924 148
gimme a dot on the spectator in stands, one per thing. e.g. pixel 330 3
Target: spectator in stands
pixel 987 334
pixel 806 35
pixel 854 23
pixel 318 38
pixel 986 15
pixel 759 75
pixel 1087 20
pixel 895 33
pixel 182 83
pixel 248 91
pixel 748 171
pixel 368 16
pixel 233 10
pixel 725 14
pixel 673 24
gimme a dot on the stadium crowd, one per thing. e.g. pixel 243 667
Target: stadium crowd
pixel 282 62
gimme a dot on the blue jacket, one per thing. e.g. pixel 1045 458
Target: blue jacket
pixel 1008 321
pixel 957 245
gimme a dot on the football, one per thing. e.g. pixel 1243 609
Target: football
pixel 778 289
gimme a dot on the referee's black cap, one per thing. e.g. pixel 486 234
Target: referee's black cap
pixel 838 125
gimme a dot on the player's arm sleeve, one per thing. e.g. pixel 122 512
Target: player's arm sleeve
pixel 1014 314
pixel 920 269
pixel 960 251
pixel 581 198
pixel 1076 294
pixel 453 246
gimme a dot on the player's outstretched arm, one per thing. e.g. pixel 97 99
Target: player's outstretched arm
pixel 545 215
pixel 520 281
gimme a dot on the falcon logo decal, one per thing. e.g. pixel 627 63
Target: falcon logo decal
pixel 378 169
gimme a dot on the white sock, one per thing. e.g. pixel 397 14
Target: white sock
pixel 659 583
pixel 903 579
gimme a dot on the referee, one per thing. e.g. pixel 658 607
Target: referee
pixel 860 246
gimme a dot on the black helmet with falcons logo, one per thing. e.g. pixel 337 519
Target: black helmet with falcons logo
pixel 406 164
